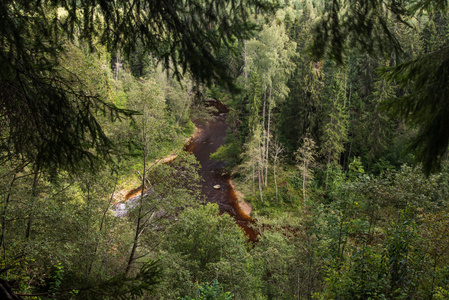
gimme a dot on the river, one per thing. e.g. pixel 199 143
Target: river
pixel 211 136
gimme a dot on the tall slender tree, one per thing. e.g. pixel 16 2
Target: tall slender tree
pixel 366 25
pixel 335 129
pixel 305 156
pixel 270 57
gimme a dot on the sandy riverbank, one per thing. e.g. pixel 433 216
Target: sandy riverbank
pixel 125 194
pixel 244 206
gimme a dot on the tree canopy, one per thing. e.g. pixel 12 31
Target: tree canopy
pixel 48 116
pixel 367 25
pixel 333 211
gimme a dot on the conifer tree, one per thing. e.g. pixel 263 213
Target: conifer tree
pixel 335 125
pixel 48 116
pixel 301 110
pixel 365 25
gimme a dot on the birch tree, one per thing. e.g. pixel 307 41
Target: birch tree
pixel 277 150
pixel 305 156
pixel 269 57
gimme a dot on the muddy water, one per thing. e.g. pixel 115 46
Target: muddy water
pixel 212 135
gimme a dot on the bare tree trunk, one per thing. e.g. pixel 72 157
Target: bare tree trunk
pixel 264 133
pixel 87 246
pixel 341 242
pixel 34 197
pixel 136 240
pixel 274 175
pixel 327 171
pixel 278 149
pixel 299 290
pixel 289 194
pixel 267 147
pixel 254 179
pixel 138 225
pixel 139 228
pixel 245 62
pixel 260 183
pixel 349 120
pixel 3 237
pixel 186 103
pixel 102 223
pixel 304 181
pixel 118 65
pixel 349 153
pixel 268 138
pixel 346 84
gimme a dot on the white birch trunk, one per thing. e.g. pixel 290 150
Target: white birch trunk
pixel 268 139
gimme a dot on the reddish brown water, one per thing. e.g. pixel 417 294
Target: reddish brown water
pixel 133 192
pixel 212 136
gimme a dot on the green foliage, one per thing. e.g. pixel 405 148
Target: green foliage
pixel 301 110
pixel 202 235
pixel 342 218
pixel 335 128
pixel 211 291
pixel 228 153
pixel 49 115
pixel 57 126
pixel 202 246
pixel 368 25
pixel 362 276
pixel 305 156
pixel 402 236
pixel 364 25
pixel 56 277
pixel 214 92
pixel 373 237
pixel 425 104
pixel 288 258
pixel 135 287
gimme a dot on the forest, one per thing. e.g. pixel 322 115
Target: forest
pixel 336 119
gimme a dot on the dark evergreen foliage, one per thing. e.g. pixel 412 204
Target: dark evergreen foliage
pixel 426 106
pixel 357 25
pixel 365 25
pixel 45 118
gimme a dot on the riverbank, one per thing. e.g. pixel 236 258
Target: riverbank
pixel 125 192
pixel 244 206
pixel 216 186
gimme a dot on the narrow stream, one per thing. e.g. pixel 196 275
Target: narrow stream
pixel 211 137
